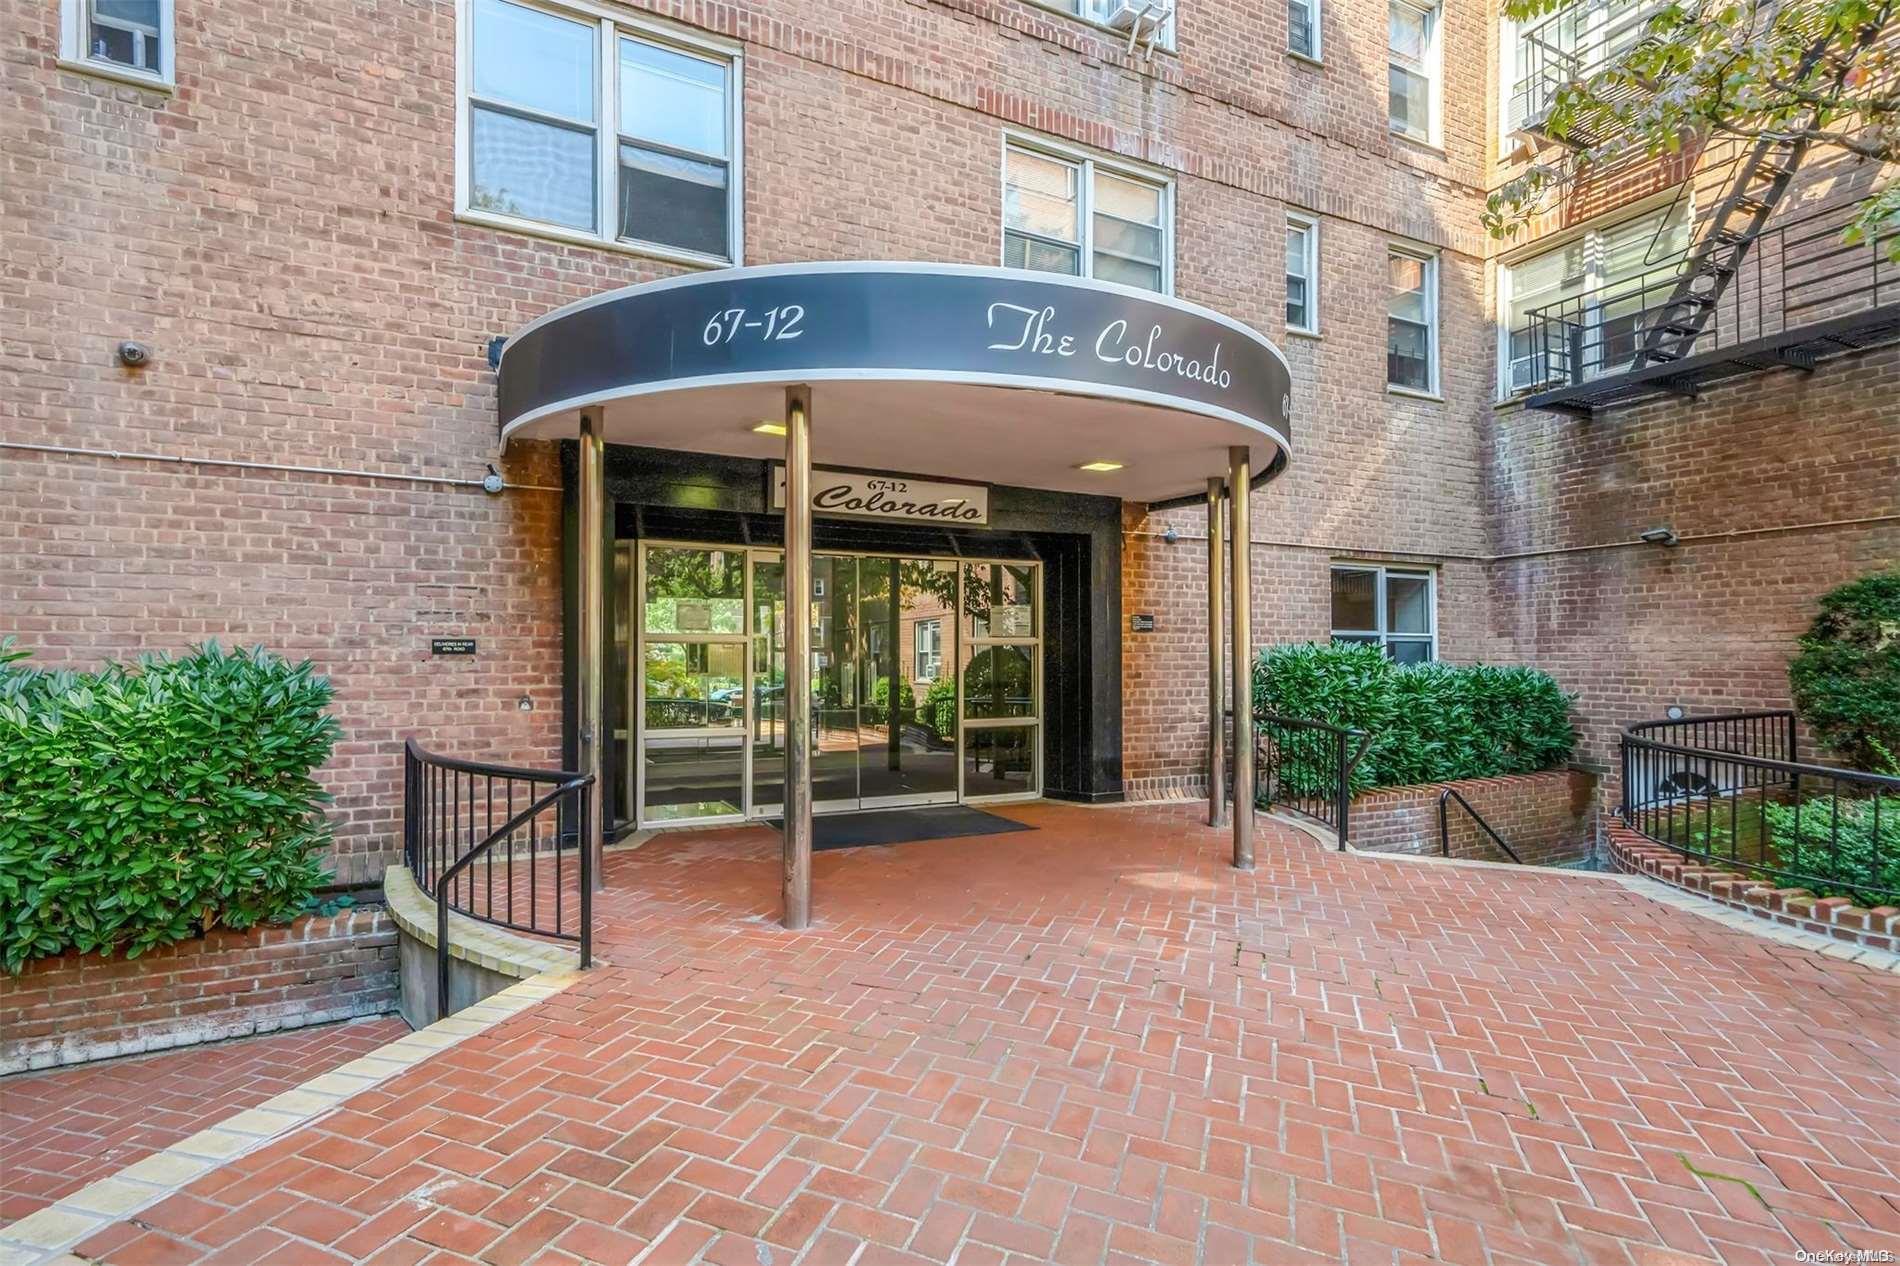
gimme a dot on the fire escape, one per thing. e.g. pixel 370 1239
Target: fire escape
pixel 1754 291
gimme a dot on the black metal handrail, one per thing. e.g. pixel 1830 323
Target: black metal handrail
pixel 1308 766
pixel 457 813
pixel 1444 824
pixel 1728 789
pixel 1797 273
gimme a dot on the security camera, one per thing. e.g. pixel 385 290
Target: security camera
pixel 132 355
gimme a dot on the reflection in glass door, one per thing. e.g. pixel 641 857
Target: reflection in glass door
pixel 907 752
pixel 691 683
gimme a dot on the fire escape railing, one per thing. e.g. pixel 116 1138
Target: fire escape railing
pixel 1573 44
pixel 1779 297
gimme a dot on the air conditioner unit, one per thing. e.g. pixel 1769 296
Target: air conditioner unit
pixel 1143 21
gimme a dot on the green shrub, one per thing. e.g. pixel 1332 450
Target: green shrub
pixel 940 707
pixel 1846 676
pixel 1428 722
pixel 1853 865
pixel 142 805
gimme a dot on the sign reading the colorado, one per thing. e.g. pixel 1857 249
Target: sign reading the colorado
pixel 838 492
pixel 1039 332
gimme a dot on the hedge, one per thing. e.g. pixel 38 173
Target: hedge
pixel 1428 722
pixel 142 805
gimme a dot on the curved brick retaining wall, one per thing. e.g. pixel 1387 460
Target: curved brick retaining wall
pixel 1633 853
pixel 81 1007
pixel 1547 817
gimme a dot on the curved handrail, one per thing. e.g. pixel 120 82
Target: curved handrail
pixel 1444 825
pixel 421 794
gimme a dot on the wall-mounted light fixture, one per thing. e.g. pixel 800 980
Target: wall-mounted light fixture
pixel 134 355
pixel 492 482
pixel 1675 712
pixel 525 704
pixel 1659 536
pixel 1170 536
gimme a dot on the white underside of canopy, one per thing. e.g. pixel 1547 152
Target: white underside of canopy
pixel 980 432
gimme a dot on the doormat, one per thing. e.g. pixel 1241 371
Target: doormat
pixel 903 826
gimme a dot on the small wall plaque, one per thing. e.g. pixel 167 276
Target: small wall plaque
pixel 1143 623
pixel 451 646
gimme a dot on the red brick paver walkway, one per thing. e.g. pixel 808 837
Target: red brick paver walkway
pixel 1097 1043
pixel 63 1128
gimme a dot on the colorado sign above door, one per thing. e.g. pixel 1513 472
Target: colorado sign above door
pixel 853 494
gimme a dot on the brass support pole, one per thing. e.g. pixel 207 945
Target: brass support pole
pixel 1216 661
pixel 593 608
pixel 1238 488
pixel 796 890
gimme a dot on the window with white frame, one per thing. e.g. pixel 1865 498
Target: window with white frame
pixel 1574 309
pixel 1302 274
pixel 928 649
pixel 1075 215
pixel 607 131
pixel 1159 13
pixel 1390 607
pixel 1411 338
pixel 126 39
pixel 1413 68
pixel 1302 28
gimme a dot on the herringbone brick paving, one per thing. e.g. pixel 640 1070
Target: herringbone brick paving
pixel 62 1128
pixel 1097 1043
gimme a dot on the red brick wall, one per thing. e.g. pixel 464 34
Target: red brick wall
pixel 1711 623
pixel 280 231
pixel 1547 818
pixel 79 1007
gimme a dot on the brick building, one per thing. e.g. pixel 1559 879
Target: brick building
pixel 319 218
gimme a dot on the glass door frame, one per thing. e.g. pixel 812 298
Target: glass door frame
pixel 636 685
pixel 963 644
pixel 967 648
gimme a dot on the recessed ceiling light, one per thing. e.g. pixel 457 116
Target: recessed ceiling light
pixel 1100 468
pixel 770 428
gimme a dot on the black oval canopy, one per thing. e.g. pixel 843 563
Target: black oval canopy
pixel 990 374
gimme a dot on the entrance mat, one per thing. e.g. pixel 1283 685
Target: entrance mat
pixel 903 826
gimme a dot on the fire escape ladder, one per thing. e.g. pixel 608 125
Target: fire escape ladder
pixel 1738 219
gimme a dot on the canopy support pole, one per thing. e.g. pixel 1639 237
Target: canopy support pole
pixel 796 890
pixel 1239 484
pixel 593 608
pixel 1216 661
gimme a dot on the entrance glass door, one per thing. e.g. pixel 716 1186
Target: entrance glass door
pixel 907 738
pixel 892 638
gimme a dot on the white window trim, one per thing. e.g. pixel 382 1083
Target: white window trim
pixel 1385 635
pixel 1310 223
pixel 1433 388
pixel 1089 162
pixel 612 23
pixel 1318 56
pixel 1519 256
pixel 1434 62
pixel 73 55
pixel 1164 39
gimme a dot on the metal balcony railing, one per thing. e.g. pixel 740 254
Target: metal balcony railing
pixel 1787 296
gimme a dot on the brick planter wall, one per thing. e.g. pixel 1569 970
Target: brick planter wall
pixel 1546 817
pixel 1633 853
pixel 81 1007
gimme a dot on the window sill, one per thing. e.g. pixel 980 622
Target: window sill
pixel 573 237
pixel 119 74
pixel 1418 143
pixel 1303 59
pixel 1293 331
pixel 1413 393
